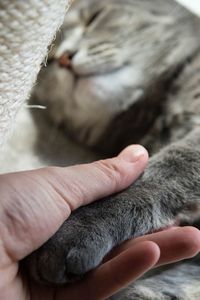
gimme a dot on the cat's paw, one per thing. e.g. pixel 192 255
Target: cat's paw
pixel 70 253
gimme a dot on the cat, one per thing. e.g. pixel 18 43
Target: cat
pixel 121 73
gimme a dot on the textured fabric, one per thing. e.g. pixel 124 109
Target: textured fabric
pixel 26 30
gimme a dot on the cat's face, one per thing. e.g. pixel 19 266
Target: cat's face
pixel 112 52
pixel 96 36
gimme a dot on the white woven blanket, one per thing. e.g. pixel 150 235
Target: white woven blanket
pixel 26 30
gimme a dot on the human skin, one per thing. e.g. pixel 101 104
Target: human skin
pixel 33 206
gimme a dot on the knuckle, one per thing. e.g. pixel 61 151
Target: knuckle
pixel 69 190
pixel 111 168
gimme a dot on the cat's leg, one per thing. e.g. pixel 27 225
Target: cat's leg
pixel 181 282
pixel 170 185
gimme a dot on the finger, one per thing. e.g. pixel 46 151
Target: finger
pixel 114 274
pixel 82 184
pixel 182 243
pixel 177 244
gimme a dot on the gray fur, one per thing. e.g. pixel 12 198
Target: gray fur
pixel 169 187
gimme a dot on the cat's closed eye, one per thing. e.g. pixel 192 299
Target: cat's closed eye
pixel 93 17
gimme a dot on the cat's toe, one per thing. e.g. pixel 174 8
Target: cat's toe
pixel 80 261
pixel 47 265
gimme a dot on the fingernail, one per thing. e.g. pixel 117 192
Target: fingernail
pixel 133 153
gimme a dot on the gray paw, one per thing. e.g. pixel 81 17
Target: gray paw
pixel 72 251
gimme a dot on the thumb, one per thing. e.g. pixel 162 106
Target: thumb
pixel 34 204
pixel 82 184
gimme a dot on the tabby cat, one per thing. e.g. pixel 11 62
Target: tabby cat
pixel 124 72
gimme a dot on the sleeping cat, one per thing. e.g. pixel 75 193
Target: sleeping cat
pixel 125 73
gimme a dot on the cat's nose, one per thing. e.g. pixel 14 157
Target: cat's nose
pixel 66 58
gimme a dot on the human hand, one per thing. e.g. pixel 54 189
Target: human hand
pixel 33 206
